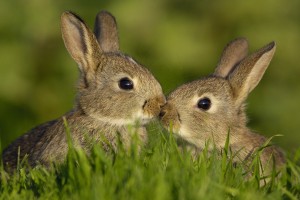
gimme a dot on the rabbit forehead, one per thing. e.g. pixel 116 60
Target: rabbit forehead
pixel 214 86
pixel 117 62
pixel 117 66
pixel 120 65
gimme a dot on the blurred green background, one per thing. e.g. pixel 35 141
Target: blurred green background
pixel 178 41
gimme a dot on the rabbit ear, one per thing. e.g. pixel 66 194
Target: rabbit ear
pixel 81 43
pixel 245 77
pixel 106 32
pixel 232 54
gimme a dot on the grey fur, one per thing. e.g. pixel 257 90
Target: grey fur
pixel 234 78
pixel 101 109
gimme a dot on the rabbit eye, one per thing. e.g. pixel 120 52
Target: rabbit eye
pixel 125 84
pixel 204 103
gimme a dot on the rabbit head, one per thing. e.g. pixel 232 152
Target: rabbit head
pixel 113 87
pixel 208 108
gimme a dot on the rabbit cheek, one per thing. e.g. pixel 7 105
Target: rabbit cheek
pixel 188 134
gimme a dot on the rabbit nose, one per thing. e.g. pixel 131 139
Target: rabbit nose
pixel 153 106
pixel 161 114
pixel 163 110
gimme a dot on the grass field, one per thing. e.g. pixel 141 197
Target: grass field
pixel 178 42
pixel 160 171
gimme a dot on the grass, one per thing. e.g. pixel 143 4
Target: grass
pixel 160 171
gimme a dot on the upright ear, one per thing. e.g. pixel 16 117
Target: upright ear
pixel 81 43
pixel 232 54
pixel 106 32
pixel 245 77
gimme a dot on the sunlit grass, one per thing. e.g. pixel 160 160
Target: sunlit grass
pixel 160 171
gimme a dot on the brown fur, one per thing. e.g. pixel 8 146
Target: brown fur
pixel 102 108
pixel 234 78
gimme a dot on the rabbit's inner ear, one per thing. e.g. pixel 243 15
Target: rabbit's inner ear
pixel 232 54
pixel 249 72
pixel 80 42
pixel 106 32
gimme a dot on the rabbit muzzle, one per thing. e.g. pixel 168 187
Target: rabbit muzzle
pixel 152 107
pixel 170 118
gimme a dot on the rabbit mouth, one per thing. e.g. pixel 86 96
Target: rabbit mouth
pixel 171 126
pixel 170 120
pixel 145 121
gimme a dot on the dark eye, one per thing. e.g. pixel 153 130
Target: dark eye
pixel 204 103
pixel 126 84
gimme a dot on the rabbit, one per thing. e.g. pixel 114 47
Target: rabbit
pixel 209 109
pixel 113 92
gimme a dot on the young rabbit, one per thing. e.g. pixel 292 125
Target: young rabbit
pixel 114 91
pixel 214 106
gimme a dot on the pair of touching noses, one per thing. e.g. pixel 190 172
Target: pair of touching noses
pixel 114 91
